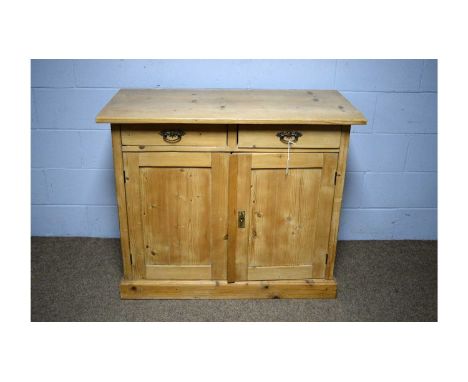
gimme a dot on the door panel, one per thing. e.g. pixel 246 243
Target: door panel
pixel 177 208
pixel 283 217
pixel 288 216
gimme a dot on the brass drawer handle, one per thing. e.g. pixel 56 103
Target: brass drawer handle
pixel 172 136
pixel 289 136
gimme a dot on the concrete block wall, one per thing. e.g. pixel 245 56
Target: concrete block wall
pixel 391 181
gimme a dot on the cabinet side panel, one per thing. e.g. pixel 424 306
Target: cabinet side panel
pixel 121 201
pixel 340 180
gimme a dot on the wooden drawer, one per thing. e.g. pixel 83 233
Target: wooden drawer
pixel 265 136
pixel 187 135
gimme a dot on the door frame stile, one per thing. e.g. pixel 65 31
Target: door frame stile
pixel 132 187
pixel 239 200
pixel 219 215
pixel 324 214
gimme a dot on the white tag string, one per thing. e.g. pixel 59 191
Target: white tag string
pixel 290 142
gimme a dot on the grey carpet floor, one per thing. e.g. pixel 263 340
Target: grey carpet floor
pixel 77 279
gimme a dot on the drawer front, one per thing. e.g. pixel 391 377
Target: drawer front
pixel 175 135
pixel 265 136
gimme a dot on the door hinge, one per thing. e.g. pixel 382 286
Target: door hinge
pixel 125 177
pixel 336 174
pixel 131 259
pixel 326 258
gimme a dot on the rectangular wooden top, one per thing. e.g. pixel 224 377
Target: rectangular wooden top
pixel 315 107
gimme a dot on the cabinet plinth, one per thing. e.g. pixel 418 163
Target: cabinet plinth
pixel 229 194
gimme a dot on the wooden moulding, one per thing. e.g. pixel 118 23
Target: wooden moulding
pixel 153 289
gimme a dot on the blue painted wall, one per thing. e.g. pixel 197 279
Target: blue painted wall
pixel 391 183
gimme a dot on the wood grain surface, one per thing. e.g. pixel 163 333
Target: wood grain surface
pixel 321 107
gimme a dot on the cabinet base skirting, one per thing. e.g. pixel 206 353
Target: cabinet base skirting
pixel 168 290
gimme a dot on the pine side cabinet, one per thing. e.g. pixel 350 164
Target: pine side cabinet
pixel 229 193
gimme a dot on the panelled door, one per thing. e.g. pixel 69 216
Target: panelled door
pixel 279 215
pixel 177 214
